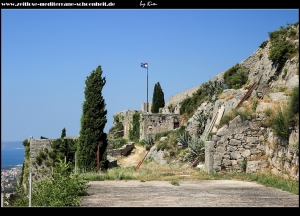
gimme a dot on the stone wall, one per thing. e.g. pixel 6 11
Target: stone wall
pixel 151 124
pixel 126 118
pixel 245 146
pixel 123 151
pixel 36 146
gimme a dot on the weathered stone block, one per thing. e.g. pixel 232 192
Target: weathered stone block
pixel 252 140
pixel 235 142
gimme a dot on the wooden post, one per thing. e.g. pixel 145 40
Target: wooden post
pixel 98 154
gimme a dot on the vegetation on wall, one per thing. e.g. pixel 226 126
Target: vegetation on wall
pixel 158 100
pixel 134 130
pixel 235 77
pixel 287 117
pixel 205 93
pixel 93 121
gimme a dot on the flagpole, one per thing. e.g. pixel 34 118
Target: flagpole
pixel 147 90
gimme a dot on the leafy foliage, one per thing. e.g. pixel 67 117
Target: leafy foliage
pixel 63 188
pixel 158 100
pixel 63 133
pixel 285 119
pixel 93 121
pixel 281 47
pixel 205 92
pixel 235 76
pixel 280 126
pixel 293 107
pixel 263 44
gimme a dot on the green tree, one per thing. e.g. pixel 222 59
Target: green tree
pixel 93 121
pixel 158 100
pixel 63 133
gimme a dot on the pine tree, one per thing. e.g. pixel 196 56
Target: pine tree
pixel 158 100
pixel 93 121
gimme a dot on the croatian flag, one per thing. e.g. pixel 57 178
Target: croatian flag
pixel 144 65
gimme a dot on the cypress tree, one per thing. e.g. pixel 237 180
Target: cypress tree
pixel 93 121
pixel 63 133
pixel 158 100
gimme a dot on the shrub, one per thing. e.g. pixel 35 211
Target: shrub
pixel 63 188
pixel 163 145
pixel 282 49
pixel 284 73
pixel 43 155
pixel 263 44
pixel 293 106
pixel 174 182
pixel 244 165
pixel 38 160
pixel 280 126
pixel 236 76
pixel 157 136
pixel 254 105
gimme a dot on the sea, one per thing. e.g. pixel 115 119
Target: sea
pixel 12 154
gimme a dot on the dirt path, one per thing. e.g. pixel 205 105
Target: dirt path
pixel 134 158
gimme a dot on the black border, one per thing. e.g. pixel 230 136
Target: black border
pixel 139 4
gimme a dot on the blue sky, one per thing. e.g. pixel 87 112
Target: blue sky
pixel 46 56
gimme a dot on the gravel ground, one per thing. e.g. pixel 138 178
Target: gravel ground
pixel 206 193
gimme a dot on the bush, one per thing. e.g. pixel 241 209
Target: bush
pixel 284 73
pixel 162 145
pixel 236 76
pixel 280 52
pixel 282 49
pixel 42 155
pixel 280 126
pixel 157 136
pixel 263 44
pixel 63 188
pixel 38 160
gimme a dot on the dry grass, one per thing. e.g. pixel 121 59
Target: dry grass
pixel 225 96
pixel 222 95
pixel 229 97
pixel 247 105
pixel 184 119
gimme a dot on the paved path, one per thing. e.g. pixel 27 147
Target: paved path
pixel 206 193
